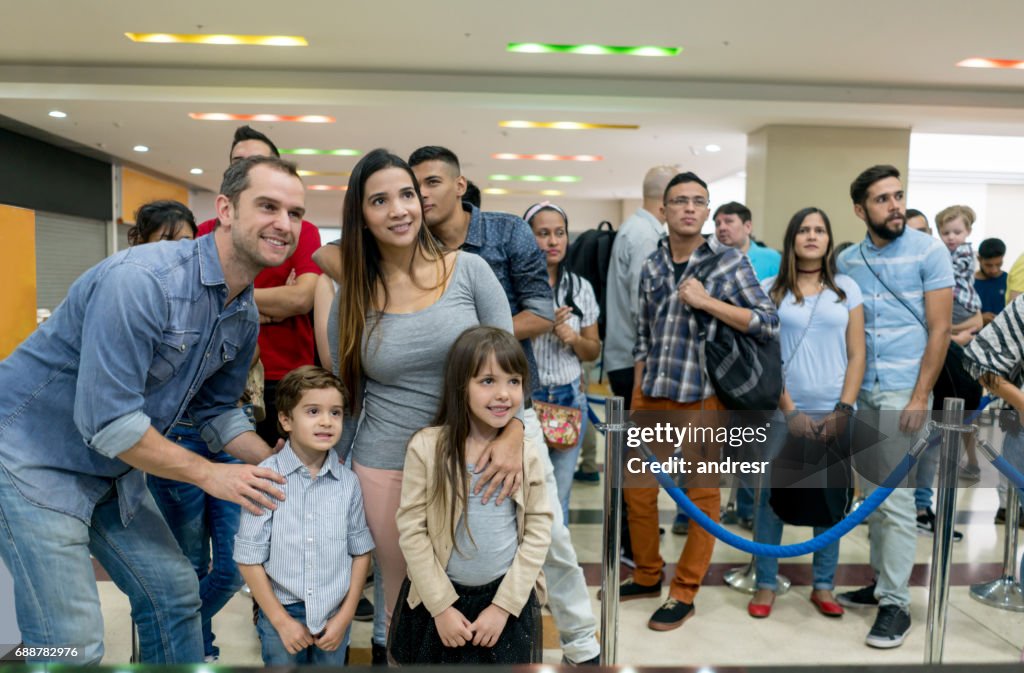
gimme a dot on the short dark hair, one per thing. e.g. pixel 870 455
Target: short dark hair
pixel 243 133
pixel 156 215
pixel 683 178
pixel 296 382
pixel 991 248
pixel 734 208
pixel 236 177
pixel 859 187
pixel 435 153
pixel 914 212
pixel 472 194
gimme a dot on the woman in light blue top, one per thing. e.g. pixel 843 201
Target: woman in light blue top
pixel 823 353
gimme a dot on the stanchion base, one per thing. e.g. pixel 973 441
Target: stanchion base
pixel 744 580
pixel 1003 593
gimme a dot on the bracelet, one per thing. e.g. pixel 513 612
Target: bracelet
pixel 843 407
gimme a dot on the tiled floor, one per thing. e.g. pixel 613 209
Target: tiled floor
pixel 721 633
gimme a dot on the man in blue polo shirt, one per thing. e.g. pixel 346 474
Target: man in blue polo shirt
pixel 906 278
pixel 142 337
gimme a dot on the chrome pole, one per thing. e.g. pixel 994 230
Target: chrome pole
pixel 744 578
pixel 945 510
pixel 1005 592
pixel 615 435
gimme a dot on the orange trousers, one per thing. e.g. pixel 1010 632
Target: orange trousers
pixel 642 506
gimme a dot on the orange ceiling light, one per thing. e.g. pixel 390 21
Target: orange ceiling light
pixel 505 156
pixel 334 174
pixel 999 63
pixel 220 40
pixel 224 117
pixel 566 126
pixel 327 188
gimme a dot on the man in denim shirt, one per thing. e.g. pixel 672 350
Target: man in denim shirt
pixel 140 338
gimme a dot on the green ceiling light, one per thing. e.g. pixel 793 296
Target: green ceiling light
pixel 307 151
pixel 590 49
pixel 501 177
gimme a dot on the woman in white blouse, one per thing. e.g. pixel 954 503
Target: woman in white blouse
pixel 573 339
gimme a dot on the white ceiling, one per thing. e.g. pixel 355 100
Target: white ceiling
pixel 401 74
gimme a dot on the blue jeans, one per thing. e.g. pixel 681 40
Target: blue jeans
pixel 769 531
pixel 564 462
pixel 275 654
pixel 55 584
pixel 203 526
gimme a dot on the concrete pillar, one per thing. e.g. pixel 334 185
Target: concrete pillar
pixel 792 167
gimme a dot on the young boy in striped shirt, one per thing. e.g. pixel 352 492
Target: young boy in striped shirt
pixel 306 560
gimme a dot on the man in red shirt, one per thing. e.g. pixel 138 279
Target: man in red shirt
pixel 284 296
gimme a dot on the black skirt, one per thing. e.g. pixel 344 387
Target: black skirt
pixel 413 638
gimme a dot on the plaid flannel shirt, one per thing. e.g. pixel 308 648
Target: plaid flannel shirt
pixel 667 327
pixel 963 278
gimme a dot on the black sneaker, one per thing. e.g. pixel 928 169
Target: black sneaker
pixel 586 477
pixel 378 655
pixel 859 599
pixel 364 611
pixel 926 525
pixel 596 661
pixel 890 628
pixel 670 615
pixel 1001 515
pixel 629 590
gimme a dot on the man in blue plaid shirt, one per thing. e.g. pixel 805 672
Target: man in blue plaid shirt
pixel 669 375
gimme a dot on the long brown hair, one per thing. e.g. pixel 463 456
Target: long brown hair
pixel 361 268
pixel 786 281
pixel 471 351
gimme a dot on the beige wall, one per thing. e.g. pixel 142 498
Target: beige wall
pixel 792 167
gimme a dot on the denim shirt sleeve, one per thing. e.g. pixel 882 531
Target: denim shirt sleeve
pixel 215 407
pixel 529 273
pixel 121 329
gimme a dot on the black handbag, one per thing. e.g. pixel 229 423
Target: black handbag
pixel 804 460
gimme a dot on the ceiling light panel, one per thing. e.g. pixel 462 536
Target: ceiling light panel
pixel 546 157
pixel 565 126
pixel 225 117
pixel 501 177
pixel 221 40
pixel 590 49
pixel 999 63
pixel 327 188
pixel 333 174
pixel 308 151
pixel 501 191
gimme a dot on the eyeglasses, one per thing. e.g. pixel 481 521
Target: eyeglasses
pixel 683 201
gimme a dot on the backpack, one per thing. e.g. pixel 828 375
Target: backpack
pixel 746 373
pixel 589 257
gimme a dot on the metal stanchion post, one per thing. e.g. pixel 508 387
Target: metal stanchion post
pixel 744 578
pixel 136 658
pixel 1005 592
pixel 945 510
pixel 615 441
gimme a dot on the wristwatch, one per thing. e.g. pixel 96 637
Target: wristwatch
pixel 843 407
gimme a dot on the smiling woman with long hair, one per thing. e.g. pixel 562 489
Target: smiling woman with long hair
pixel 401 303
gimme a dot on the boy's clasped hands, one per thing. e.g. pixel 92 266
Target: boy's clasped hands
pixel 296 636
pixel 455 630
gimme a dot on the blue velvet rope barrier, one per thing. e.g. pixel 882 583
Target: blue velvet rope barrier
pixel 851 521
pixel 1010 472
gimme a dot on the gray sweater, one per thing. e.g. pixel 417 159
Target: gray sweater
pixel 403 360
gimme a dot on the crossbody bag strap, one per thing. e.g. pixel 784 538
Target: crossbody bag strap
pixel 889 290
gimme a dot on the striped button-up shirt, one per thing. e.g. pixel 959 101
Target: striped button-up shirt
pixel 306 545
pixel 667 327
pixel 910 266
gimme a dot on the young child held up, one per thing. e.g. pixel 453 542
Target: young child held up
pixel 307 560
pixel 474 585
pixel 954 226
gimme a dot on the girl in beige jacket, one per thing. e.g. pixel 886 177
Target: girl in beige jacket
pixel 474 585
